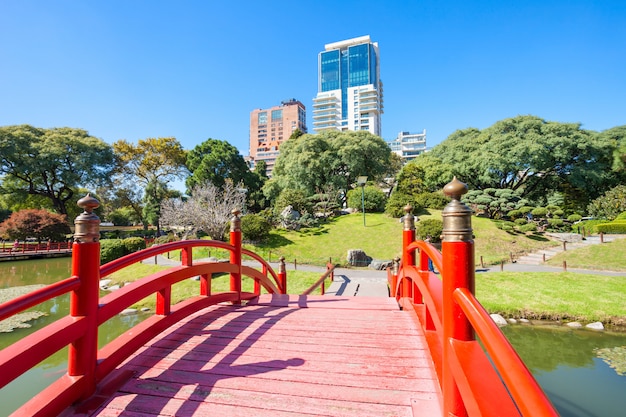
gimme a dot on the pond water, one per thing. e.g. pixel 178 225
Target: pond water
pixel 564 361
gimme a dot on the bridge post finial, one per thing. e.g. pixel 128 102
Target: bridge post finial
pixel 235 221
pixel 457 217
pixel 409 219
pixel 87 223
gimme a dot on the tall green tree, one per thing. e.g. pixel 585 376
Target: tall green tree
pixel 52 163
pixel 534 156
pixel 215 161
pixel 145 171
pixel 311 162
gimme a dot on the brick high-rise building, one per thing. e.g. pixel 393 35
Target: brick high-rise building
pixel 271 127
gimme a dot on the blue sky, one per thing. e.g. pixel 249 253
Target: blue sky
pixel 196 69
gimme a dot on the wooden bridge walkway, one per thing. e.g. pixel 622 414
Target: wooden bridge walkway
pixel 281 356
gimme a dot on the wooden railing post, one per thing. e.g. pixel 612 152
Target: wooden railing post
pixel 235 256
pixel 408 256
pixel 394 277
pixel 282 275
pixel 458 272
pixel 84 300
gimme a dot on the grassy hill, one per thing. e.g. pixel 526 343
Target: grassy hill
pixel 381 238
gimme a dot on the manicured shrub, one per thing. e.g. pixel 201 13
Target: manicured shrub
pixel 529 227
pixel 515 214
pixel 539 212
pixel 373 199
pixel 521 222
pixel 133 244
pixel 574 218
pixel 616 227
pixel 397 202
pixel 171 237
pixel 294 198
pixel 255 227
pixel 436 200
pixel 110 249
pixel 429 228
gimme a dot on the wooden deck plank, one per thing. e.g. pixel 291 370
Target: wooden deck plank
pixel 284 356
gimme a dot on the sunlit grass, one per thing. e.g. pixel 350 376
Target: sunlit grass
pixel 609 256
pixel 553 296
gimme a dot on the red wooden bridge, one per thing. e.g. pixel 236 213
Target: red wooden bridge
pixel 269 353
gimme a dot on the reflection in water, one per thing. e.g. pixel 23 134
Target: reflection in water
pixel 565 363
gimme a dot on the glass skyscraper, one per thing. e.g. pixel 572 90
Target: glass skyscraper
pixel 350 95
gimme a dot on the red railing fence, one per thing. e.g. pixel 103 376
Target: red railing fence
pixel 475 381
pixel 89 367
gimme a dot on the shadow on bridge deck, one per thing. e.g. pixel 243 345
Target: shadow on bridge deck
pixel 283 356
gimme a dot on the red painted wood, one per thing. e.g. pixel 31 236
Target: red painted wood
pixel 283 356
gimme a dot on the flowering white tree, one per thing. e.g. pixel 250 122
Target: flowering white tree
pixel 208 209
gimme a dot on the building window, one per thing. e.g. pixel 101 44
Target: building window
pixel 262 117
pixel 277 115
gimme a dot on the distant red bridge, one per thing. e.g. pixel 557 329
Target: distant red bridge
pixel 265 352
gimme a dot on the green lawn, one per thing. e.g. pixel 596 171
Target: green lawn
pixel 554 296
pixel 609 256
pixel 562 296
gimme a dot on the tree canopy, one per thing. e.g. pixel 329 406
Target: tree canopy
pixel 52 163
pixel 314 161
pixel 529 154
pixel 215 161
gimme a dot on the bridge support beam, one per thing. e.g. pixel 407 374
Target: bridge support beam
pixel 457 251
pixel 82 355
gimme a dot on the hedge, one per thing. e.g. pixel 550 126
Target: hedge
pixel 617 227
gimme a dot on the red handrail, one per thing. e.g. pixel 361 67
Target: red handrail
pixel 471 384
pixel 88 366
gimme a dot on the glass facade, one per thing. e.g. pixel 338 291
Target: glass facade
pixel 349 87
pixel 277 115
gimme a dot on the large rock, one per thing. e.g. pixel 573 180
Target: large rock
pixel 358 257
pixel 380 265
pixel 499 320
pixel 289 218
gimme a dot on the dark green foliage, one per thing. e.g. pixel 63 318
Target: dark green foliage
pixel 133 244
pixel 615 227
pixel 295 198
pixel 397 202
pixel 255 227
pixel 429 229
pixel 609 205
pixel 373 199
pixel 520 222
pixel 515 214
pixel 111 249
pixel 492 202
pixel 434 200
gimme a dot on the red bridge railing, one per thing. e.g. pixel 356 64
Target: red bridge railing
pixel 493 381
pixel 89 366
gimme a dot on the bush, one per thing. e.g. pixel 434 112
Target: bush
pixel 396 203
pixel 171 237
pixel 255 227
pixel 429 228
pixel 294 198
pixel 133 244
pixel 616 227
pixel 621 216
pixel 521 222
pixel 110 249
pixel 609 205
pixel 436 200
pixel 373 199
pixel 574 218
pixel 539 212
pixel 529 227
pixel 515 214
